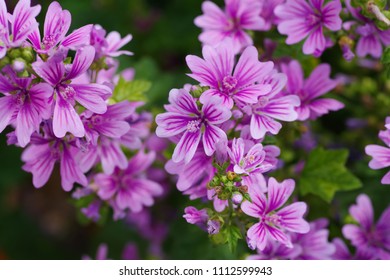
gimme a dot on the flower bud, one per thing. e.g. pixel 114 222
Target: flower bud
pixel 237 198
pixel 231 175
pixel 213 227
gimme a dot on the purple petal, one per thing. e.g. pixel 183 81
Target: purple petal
pixel 363 212
pixel 249 69
pixel 66 119
pixel 319 82
pixel 186 147
pixel 115 42
pixel 213 17
pixel 23 20
pixel 369 45
pixel 322 106
pixel 182 102
pixel 279 235
pixel 70 171
pixel 27 122
pixel 42 164
pixel 82 61
pixel 57 23
pixel 50 71
pixel 214 113
pixel 331 13
pixel 202 71
pixel 292 217
pixel 257 234
pixel 170 124
pixel 7 109
pixel 282 108
pixel 315 42
pixel 88 96
pixel 107 186
pixel 294 72
pixel 78 38
pixel 279 193
pixel 220 58
pixel 261 124
pixel 112 156
pixel 380 156
pixel 211 136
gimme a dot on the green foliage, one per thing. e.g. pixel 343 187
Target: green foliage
pixel 325 173
pixel 386 61
pixel 228 235
pixel 131 90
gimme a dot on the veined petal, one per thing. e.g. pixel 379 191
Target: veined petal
pixel 78 38
pixel 82 61
pixel 220 58
pixel 41 166
pixel 27 122
pixel 319 81
pixel 212 93
pixel 7 109
pixel 182 102
pixel 322 106
pixel 315 42
pixel 282 108
pixel 202 71
pixel 291 217
pixel 115 42
pixel 187 146
pixel 112 156
pixel 249 69
pixel 57 23
pixel 236 153
pixel 261 124
pixel 258 235
pixel 214 113
pixel 113 129
pixel 294 72
pixel 86 96
pixel 70 171
pixel 278 235
pixel 171 124
pixel 380 156
pixel 107 186
pixel 66 119
pixel 212 18
pixel 212 134
pixel 331 13
pixel 363 212
pixel 279 193
pixel 50 71
pixel 23 20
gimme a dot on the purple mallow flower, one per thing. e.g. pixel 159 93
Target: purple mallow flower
pixel 24 105
pixel 251 162
pixel 271 107
pixel 274 219
pixel 300 19
pixel 21 24
pixel 238 16
pixel 313 245
pixel 65 117
pixel 381 155
pixel 57 23
pixel 268 12
pixel 130 188
pixel 183 116
pixel 102 135
pixel 310 90
pixel 371 38
pixel 366 235
pixel 195 216
pixel 44 151
pixel 241 84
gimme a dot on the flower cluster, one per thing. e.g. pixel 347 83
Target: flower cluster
pixel 58 98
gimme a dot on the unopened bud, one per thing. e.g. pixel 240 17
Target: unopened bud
pixel 244 189
pixel 213 227
pixel 231 175
pixel 237 198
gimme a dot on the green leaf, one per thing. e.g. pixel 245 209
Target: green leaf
pixel 131 90
pixel 325 173
pixel 233 234
pixel 386 56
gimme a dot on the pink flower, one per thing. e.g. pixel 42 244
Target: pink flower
pixel 300 19
pixel 65 117
pixel 366 235
pixel 22 24
pixel 238 16
pixel 273 219
pixel 381 155
pixel 57 23
pixel 24 105
pixel 310 90
pixel 44 151
pixel 271 107
pixel 130 188
pixel 216 71
pixel 183 116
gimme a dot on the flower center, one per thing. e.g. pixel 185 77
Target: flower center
pixel 263 101
pixel 193 126
pixel 68 93
pixel 96 120
pixel 229 83
pixel 313 19
pixel 19 99
pixel 48 41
